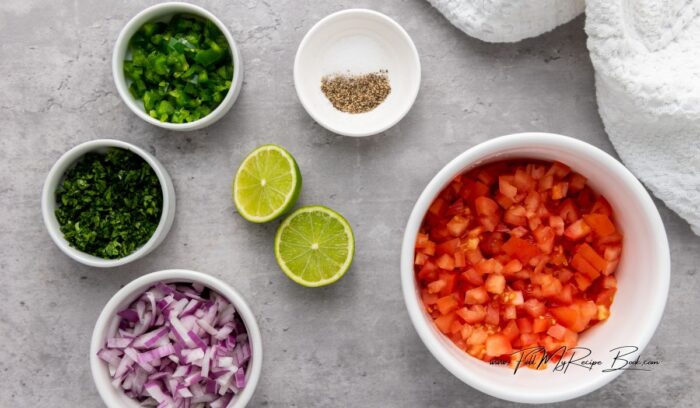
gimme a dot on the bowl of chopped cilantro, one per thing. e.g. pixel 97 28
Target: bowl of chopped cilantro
pixel 107 202
pixel 177 66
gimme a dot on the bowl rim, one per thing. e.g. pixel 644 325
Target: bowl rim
pixel 456 166
pixel 362 12
pixel 142 283
pixel 57 173
pixel 153 12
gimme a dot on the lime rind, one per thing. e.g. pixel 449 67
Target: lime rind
pixel 249 199
pixel 335 237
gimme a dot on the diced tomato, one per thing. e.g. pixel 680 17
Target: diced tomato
pixel 456 327
pixel 446 304
pixel 514 265
pixel 612 253
pixel 460 259
pixel 517 254
pixel 545 239
pixel 491 243
pixel 559 170
pixel 476 296
pixel 466 331
pixel 473 189
pixel 479 336
pixel 495 284
pixel 444 322
pixel 577 182
pixel 571 317
pixel 437 206
pixel 582 282
pixel 601 206
pixel 446 262
pixel 609 282
pixel 592 257
pixel 534 307
pixel 488 266
pixel 509 312
pixel 528 339
pixel 520 248
pixel 428 271
pixel 582 265
pixel 551 286
pixel 522 180
pixel 511 330
pixel 568 211
pixel 565 295
pixel 524 325
pixel 577 230
pixel 430 248
pixel 492 316
pixel 557 331
pixel 507 188
pixel 541 324
pixel 498 345
pixel 473 277
pixel 428 298
pixel 600 224
pixel 473 314
pixel 559 190
pixel 457 225
pixel 557 224
pixel 448 247
pixel 516 216
pixel 436 286
pixel 546 182
pixel 605 297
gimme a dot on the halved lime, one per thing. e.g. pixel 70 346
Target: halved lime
pixel 314 246
pixel 267 184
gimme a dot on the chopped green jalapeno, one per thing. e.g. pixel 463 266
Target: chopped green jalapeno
pixel 181 70
pixel 109 204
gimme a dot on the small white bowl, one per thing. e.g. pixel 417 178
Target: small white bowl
pixel 642 276
pixel 55 177
pixel 108 322
pixel 164 12
pixel 357 41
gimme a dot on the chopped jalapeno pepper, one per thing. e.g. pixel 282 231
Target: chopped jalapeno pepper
pixel 181 70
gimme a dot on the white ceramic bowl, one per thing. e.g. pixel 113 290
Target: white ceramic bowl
pixel 108 321
pixel 357 41
pixel 164 12
pixel 48 202
pixel 643 273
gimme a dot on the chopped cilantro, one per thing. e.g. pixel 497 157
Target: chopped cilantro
pixel 109 204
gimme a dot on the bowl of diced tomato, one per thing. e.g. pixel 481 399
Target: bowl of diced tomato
pixel 534 266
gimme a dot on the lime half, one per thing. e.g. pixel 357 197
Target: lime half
pixel 267 184
pixel 314 246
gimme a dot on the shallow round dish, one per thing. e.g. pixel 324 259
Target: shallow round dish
pixel 164 12
pixel 642 276
pixel 357 41
pixel 48 202
pixel 108 321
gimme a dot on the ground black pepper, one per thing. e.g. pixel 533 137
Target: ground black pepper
pixel 356 93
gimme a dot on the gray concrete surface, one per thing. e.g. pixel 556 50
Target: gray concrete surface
pixel 350 344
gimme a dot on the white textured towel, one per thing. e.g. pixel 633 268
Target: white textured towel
pixel 646 56
pixel 508 20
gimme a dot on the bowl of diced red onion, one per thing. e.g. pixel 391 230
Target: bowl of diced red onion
pixel 176 338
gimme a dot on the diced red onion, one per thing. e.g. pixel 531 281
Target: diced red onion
pixel 178 345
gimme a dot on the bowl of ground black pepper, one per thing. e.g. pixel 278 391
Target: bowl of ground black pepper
pixel 106 203
pixel 357 72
